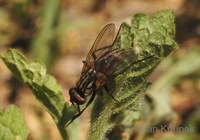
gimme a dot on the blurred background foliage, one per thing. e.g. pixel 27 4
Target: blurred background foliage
pixel 60 33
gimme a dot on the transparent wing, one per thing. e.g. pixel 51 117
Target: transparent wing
pixel 101 46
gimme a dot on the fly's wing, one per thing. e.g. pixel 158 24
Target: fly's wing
pixel 101 46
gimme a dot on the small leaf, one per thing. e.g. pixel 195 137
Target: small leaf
pixel 12 126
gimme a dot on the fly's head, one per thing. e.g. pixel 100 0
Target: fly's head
pixel 75 97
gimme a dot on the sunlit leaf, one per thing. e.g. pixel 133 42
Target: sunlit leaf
pixel 12 126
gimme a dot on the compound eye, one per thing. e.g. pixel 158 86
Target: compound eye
pixel 71 92
pixel 75 97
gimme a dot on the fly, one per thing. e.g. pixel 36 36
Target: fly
pixel 102 64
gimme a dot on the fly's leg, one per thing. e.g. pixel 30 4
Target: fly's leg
pixel 89 102
pixel 80 112
pixel 128 66
pixel 78 107
pixel 107 90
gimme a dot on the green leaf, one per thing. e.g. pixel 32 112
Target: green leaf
pixel 12 126
pixel 44 87
pixel 146 37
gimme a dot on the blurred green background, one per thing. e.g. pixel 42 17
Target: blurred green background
pixel 60 33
